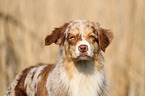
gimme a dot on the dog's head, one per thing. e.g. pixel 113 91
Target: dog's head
pixel 81 39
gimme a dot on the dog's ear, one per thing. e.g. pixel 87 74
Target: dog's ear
pixel 105 38
pixel 57 36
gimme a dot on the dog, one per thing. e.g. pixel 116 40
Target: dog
pixel 79 70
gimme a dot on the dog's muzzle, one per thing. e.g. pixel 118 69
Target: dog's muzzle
pixel 83 54
pixel 83 48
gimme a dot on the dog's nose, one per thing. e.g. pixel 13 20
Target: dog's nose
pixel 83 48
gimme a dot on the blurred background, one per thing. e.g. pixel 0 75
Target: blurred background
pixel 24 24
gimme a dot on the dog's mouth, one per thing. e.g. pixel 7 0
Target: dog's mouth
pixel 83 57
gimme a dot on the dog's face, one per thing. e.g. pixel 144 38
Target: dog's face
pixel 81 39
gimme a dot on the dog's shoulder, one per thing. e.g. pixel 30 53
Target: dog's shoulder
pixel 29 79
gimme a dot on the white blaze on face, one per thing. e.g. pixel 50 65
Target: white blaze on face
pixel 83 42
pixel 81 27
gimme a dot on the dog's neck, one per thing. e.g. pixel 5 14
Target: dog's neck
pixel 80 78
pixel 83 78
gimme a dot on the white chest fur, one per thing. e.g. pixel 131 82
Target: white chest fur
pixel 86 83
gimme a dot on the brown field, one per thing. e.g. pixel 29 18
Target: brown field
pixel 25 23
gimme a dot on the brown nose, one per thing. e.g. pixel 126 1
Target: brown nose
pixel 83 48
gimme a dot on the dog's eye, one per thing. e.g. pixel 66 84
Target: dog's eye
pixel 72 37
pixel 91 36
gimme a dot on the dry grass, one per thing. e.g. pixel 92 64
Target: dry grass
pixel 25 23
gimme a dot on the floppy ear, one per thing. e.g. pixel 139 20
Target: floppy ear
pixel 57 36
pixel 105 38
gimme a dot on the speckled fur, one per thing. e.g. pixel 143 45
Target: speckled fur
pixel 71 76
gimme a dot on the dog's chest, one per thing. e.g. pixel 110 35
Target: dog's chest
pixel 85 84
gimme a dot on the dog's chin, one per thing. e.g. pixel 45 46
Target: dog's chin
pixel 83 57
